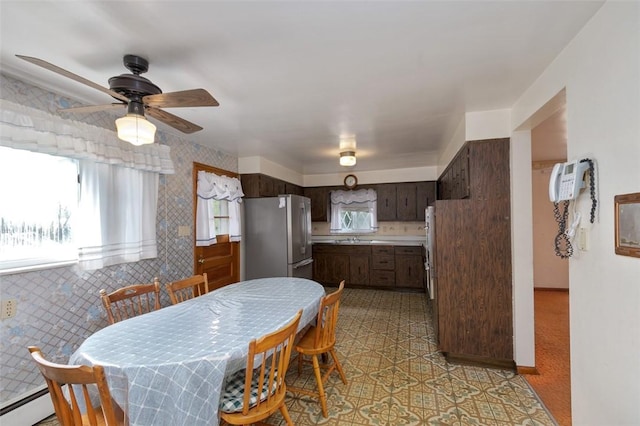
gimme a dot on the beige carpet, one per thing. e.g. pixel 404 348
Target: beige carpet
pixel 553 383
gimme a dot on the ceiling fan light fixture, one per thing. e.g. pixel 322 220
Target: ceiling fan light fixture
pixel 348 158
pixel 135 129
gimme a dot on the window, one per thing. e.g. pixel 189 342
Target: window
pixel 354 211
pixel 355 219
pixel 219 216
pixel 39 194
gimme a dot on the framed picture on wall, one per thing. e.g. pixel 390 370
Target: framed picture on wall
pixel 627 224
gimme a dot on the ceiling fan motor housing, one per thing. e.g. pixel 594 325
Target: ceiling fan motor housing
pixel 134 85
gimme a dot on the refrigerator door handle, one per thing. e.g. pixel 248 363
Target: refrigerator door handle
pixel 303 263
pixel 305 229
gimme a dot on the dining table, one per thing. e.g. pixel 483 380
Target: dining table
pixel 168 367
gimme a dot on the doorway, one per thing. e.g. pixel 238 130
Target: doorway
pixel 551 273
pixel 220 261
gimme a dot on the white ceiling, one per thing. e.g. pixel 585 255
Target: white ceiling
pixel 292 77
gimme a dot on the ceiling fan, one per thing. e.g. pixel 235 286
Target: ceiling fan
pixel 139 95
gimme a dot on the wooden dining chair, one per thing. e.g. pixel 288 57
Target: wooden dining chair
pixel 186 289
pixel 127 302
pixel 250 398
pixel 67 404
pixel 318 340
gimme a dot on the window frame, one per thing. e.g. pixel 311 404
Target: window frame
pixel 58 255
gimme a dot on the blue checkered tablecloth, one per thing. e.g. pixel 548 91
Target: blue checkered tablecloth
pixel 167 367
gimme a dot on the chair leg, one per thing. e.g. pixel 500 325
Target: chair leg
pixel 285 414
pixel 323 397
pixel 338 366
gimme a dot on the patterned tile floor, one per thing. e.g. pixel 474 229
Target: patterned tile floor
pixel 396 376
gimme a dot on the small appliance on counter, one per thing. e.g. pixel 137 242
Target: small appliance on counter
pixel 277 237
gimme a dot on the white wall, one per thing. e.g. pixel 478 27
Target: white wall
pixel 522 249
pixel 262 165
pixel 600 70
pixel 487 124
pixel 408 174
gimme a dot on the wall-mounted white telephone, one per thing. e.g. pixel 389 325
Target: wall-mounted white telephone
pixel 565 183
pixel 567 179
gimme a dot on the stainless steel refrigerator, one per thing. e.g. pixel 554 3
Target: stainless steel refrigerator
pixel 277 236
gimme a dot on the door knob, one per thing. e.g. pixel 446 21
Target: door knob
pixel 201 260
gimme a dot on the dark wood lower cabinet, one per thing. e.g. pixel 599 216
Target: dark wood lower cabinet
pixel 359 269
pixel 474 293
pixel 409 263
pixel 379 266
pixel 330 268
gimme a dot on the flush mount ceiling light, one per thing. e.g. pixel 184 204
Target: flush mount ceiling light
pixel 134 128
pixel 348 158
pixel 347 151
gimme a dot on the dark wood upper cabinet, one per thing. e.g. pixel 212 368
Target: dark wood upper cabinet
pixel 488 174
pixel 453 183
pixel 259 185
pixel 406 201
pixel 290 188
pixel 477 172
pixel 426 196
pixel 411 200
pixel 386 193
pixel 319 196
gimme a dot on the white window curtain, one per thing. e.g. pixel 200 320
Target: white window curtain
pixel 213 187
pixel 364 198
pixel 117 212
pixel 31 129
pixel 119 181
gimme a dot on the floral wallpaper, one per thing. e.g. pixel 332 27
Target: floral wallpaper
pixel 58 308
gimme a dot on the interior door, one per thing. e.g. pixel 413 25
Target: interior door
pixel 220 261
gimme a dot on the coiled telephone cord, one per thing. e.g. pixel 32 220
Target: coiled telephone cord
pixel 592 188
pixel 562 238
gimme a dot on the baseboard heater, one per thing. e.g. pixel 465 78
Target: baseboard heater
pixel 27 409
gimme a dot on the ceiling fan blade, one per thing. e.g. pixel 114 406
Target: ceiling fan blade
pixel 172 120
pixel 185 98
pixel 93 108
pixel 63 72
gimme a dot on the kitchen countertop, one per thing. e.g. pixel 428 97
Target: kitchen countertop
pixel 413 240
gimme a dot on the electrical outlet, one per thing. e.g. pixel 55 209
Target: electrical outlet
pixel 184 231
pixel 583 239
pixel 8 308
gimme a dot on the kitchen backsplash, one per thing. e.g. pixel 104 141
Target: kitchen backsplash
pixel 387 229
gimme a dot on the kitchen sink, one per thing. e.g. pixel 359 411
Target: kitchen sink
pixel 349 241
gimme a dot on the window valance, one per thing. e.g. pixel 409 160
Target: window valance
pixel 213 187
pixel 350 197
pixel 218 187
pixel 31 129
